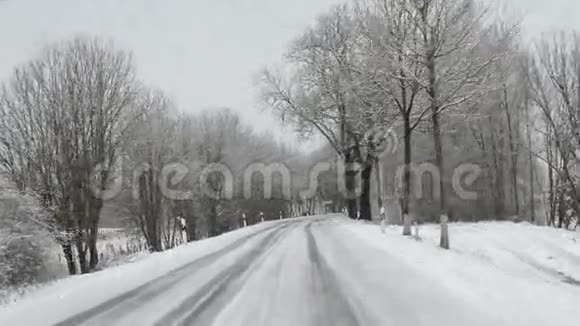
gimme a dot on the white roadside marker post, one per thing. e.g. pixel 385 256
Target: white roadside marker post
pixel 416 225
pixel 444 241
pixel 244 219
pixel 183 230
pixel 383 219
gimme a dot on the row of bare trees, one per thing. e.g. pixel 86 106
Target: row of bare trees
pixel 80 133
pixel 195 149
pixel 553 80
pixel 446 72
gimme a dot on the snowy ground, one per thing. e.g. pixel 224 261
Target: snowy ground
pixel 518 273
pixel 116 246
pixel 329 271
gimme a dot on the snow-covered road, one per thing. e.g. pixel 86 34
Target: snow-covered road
pixel 308 271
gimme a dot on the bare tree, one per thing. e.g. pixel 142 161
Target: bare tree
pixel 393 70
pixel 323 97
pixel 554 83
pixel 150 149
pixel 216 132
pixel 63 117
pixel 458 58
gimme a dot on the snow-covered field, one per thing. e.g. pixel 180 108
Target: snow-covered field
pixel 330 270
pixel 528 275
pixel 116 246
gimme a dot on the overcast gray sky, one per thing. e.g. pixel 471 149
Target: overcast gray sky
pixel 203 53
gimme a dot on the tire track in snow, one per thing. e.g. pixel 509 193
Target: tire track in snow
pixel 551 272
pixel 128 301
pixel 205 304
pixel 324 281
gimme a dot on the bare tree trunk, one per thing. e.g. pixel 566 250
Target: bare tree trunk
pixel 93 232
pixel 155 238
pixel 81 252
pixel 93 254
pixel 379 181
pixel 365 198
pixel 92 248
pixel 552 195
pixel 513 154
pixel 69 256
pixel 213 225
pixel 561 209
pixel 498 181
pixel 530 161
pixel 444 240
pixel 433 95
pixel 439 162
pixel 406 178
pixel 350 182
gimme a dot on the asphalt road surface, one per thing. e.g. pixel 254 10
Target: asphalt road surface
pixel 305 271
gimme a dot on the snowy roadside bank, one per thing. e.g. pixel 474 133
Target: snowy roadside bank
pixel 525 274
pixel 77 293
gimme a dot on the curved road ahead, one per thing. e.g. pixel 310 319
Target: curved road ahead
pixel 304 271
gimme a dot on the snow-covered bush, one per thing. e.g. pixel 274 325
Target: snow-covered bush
pixel 25 243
